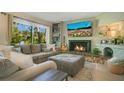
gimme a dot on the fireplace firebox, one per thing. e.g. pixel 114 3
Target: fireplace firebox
pixel 74 45
pixel 108 52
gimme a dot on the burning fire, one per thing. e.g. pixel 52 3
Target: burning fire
pixel 79 48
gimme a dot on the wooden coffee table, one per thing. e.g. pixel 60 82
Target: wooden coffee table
pixel 52 75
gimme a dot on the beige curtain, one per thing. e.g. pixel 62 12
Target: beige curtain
pixel 4 35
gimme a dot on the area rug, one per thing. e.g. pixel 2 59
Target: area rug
pixel 84 75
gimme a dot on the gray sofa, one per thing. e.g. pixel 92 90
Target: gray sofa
pixel 43 56
pixel 37 53
pixel 28 68
pixel 30 72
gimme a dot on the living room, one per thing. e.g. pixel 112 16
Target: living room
pixel 57 46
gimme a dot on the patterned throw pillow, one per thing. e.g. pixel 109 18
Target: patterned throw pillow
pixel 26 49
pixel 36 48
pixel 116 60
pixel 7 67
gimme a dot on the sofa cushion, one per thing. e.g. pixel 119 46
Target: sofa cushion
pixel 7 67
pixel 36 48
pixel 46 50
pixel 16 49
pixel 5 52
pixel 26 49
pixel 43 56
pixel 22 60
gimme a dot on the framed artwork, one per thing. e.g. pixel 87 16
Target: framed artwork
pixel 80 29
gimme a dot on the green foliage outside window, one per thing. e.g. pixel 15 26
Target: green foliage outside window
pixel 27 35
pixel 39 36
pixel 18 36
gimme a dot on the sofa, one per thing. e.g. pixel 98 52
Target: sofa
pixel 25 67
pixel 37 52
pixel 30 72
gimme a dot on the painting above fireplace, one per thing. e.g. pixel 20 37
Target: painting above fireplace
pixel 80 29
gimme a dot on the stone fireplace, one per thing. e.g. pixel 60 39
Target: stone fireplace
pixel 111 50
pixel 80 45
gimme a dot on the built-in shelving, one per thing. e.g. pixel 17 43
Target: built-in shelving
pixel 56 34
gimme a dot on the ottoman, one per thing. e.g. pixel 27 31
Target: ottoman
pixel 69 63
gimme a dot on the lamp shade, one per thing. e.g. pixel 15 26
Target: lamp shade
pixel 113 33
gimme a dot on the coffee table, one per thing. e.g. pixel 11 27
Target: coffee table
pixel 52 75
pixel 69 63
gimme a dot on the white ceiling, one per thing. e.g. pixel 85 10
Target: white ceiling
pixel 63 16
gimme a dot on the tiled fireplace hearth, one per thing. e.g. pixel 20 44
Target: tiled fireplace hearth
pixel 80 44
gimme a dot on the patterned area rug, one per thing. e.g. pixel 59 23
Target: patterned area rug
pixel 95 72
pixel 84 75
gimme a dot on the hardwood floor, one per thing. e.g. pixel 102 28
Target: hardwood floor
pixel 100 72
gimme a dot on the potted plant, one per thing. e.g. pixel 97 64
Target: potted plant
pixel 96 52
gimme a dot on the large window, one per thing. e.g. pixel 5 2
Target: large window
pixel 21 32
pixel 27 32
pixel 39 35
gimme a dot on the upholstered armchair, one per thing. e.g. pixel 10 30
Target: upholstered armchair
pixel 116 65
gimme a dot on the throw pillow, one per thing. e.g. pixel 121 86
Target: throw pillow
pixel 116 60
pixel 16 49
pixel 1 54
pixel 36 48
pixel 26 49
pixel 6 50
pixel 7 67
pixel 21 60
